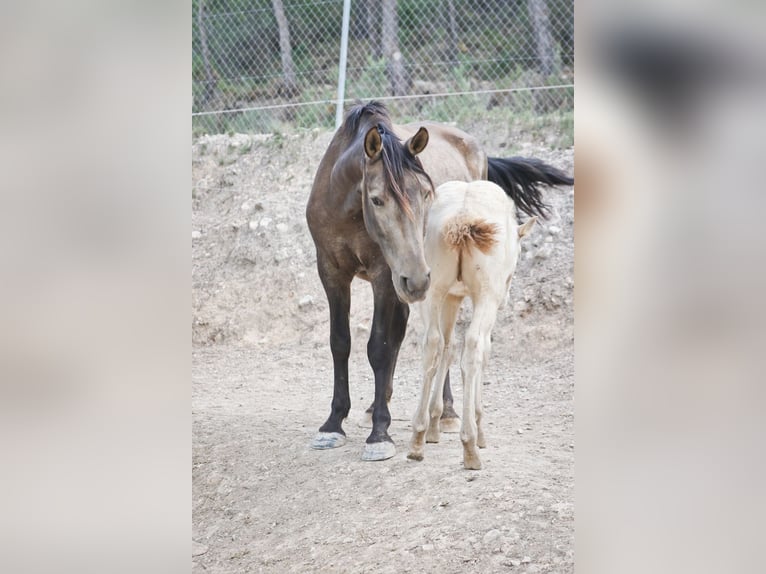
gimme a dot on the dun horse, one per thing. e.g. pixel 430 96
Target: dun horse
pixel 366 213
pixel 472 244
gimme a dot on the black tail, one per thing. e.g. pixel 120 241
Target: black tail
pixel 520 177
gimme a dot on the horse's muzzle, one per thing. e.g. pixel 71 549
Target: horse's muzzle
pixel 413 289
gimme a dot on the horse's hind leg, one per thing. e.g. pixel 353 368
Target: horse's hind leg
pixel 481 440
pixel 433 349
pixel 331 434
pixel 475 354
pixel 389 324
pixel 447 317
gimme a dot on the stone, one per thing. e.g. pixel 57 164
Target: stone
pixel 305 301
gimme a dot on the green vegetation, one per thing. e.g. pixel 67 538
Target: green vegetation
pixel 462 46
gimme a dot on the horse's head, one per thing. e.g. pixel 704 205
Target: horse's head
pixel 396 194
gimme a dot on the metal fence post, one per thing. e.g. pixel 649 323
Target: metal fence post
pixel 342 63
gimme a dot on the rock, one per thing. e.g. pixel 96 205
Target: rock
pixel 305 301
pixel 428 547
pixel 282 227
pixel 526 560
pixel 544 252
pixel 554 230
pixel 196 234
pixel 492 536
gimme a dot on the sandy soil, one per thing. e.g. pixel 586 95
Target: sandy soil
pixel 263 501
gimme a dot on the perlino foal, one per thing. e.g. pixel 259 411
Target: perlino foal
pixel 472 244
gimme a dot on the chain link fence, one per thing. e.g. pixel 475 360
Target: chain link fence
pixel 274 65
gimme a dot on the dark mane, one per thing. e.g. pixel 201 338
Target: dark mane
pixel 396 157
pixel 353 120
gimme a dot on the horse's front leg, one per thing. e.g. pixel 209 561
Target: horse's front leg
pixel 331 434
pixel 389 324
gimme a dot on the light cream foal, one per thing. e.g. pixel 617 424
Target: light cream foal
pixel 472 245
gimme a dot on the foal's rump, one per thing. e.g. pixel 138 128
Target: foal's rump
pixel 466 222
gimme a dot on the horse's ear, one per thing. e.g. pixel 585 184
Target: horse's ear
pixel 418 142
pixel 527 227
pixel 372 143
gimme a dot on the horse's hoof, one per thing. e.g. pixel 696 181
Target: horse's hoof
pixel 449 425
pixel 325 440
pixel 415 455
pixel 378 451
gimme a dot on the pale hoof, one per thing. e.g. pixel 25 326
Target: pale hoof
pixel 449 425
pixel 326 440
pixel 415 455
pixel 472 464
pixel 378 451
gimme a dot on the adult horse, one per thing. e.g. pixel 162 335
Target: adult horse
pixel 366 213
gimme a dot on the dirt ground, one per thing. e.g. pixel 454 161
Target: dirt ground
pixel 263 501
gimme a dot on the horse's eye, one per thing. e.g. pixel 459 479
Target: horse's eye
pixel 376 201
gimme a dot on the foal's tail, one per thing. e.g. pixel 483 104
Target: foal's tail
pixel 462 232
pixel 520 178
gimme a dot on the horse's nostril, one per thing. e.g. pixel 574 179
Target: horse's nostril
pixel 416 286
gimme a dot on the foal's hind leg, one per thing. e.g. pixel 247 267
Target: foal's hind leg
pixel 481 440
pixel 433 348
pixel 447 317
pixel 475 355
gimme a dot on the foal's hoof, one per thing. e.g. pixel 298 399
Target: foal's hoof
pixel 449 424
pixel 325 440
pixel 378 451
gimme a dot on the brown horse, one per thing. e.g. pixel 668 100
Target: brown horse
pixel 367 213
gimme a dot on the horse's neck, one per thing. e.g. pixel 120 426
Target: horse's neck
pixel 345 177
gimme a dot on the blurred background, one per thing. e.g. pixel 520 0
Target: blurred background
pixel 269 66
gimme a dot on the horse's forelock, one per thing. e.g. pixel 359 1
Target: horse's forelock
pixel 396 160
pixel 395 157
